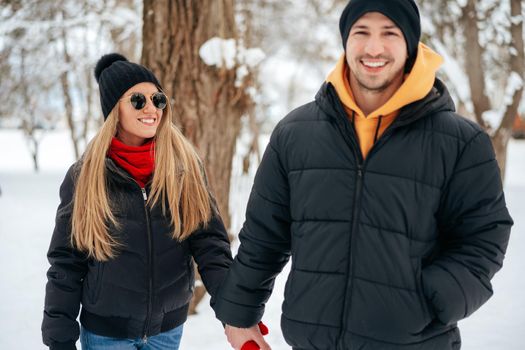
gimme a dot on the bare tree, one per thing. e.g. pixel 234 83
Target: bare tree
pixel 23 95
pixel 31 121
pixel 485 39
pixel 503 133
pixel 58 43
pixel 66 88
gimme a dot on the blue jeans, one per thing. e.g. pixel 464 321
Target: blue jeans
pixel 169 340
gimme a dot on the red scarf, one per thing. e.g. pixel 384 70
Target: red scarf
pixel 138 161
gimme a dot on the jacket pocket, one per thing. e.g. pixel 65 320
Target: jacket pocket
pixel 95 274
pixel 428 314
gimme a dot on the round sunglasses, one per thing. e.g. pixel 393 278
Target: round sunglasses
pixel 138 100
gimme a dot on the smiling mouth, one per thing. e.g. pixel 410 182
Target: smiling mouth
pixel 148 121
pixel 374 64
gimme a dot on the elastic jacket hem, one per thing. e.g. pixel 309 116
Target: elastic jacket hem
pixel 121 327
pixel 63 346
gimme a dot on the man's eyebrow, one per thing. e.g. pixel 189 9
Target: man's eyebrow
pixel 360 26
pixel 364 26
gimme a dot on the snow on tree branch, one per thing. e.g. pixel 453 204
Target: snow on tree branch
pixel 514 83
pixel 456 75
pixel 225 53
pixel 120 18
pixel 494 117
pixel 218 52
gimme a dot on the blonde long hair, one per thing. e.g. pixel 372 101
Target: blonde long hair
pixel 178 180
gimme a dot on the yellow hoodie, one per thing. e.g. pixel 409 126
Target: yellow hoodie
pixel 417 84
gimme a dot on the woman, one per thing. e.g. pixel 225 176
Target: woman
pixel 134 211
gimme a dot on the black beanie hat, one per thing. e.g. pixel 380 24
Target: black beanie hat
pixel 403 13
pixel 115 75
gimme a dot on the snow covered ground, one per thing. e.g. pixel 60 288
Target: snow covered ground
pixel 27 209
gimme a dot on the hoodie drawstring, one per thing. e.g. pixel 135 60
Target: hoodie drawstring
pixel 378 127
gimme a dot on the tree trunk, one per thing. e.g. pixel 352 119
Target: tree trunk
pixel 474 59
pixel 34 153
pixel 475 71
pixel 90 92
pixel 517 65
pixel 68 101
pixel 500 143
pixel 30 121
pixel 207 105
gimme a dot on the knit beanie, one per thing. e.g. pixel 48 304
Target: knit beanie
pixel 404 13
pixel 115 75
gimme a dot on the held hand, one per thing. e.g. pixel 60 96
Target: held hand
pixel 251 345
pixel 247 338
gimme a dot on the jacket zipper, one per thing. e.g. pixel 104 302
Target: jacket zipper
pixel 355 214
pixel 150 264
pixel 351 265
pixel 150 257
pixel 350 137
pixel 361 167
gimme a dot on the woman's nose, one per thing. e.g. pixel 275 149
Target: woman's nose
pixel 149 107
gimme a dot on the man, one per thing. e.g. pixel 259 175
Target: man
pixel 389 204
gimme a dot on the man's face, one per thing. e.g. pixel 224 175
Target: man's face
pixel 376 52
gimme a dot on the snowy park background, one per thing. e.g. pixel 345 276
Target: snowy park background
pixel 27 209
pixel 295 44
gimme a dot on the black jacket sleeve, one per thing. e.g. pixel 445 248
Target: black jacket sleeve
pixel 210 247
pixel 474 227
pixel 265 245
pixel 60 329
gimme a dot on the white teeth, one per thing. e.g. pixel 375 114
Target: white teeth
pixel 374 64
pixel 147 121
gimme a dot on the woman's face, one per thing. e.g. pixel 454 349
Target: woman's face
pixel 136 126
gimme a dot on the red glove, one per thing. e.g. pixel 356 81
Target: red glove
pixel 251 345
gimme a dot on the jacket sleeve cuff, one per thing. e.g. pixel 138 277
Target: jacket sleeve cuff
pixel 237 315
pixel 63 346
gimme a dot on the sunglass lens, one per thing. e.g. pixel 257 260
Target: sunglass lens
pixel 159 100
pixel 138 101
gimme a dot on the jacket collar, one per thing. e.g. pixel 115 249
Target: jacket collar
pixel 437 100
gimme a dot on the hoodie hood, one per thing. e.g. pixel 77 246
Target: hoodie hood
pixel 416 85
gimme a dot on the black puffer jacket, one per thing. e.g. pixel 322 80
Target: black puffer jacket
pixel 146 289
pixel 387 253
